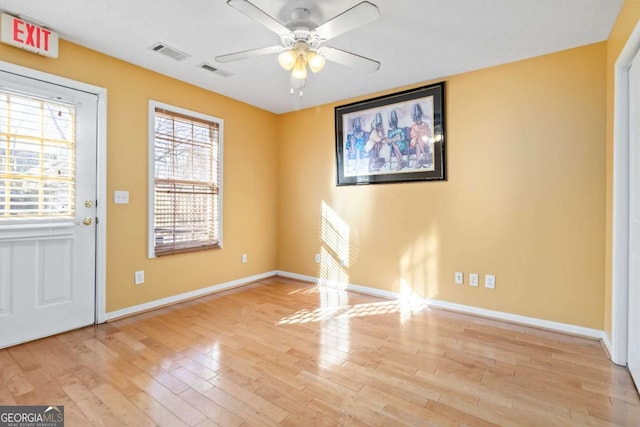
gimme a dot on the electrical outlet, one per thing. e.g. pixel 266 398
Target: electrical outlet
pixel 490 281
pixel 473 279
pixel 318 258
pixel 244 258
pixel 139 277
pixel 459 277
pixel 343 262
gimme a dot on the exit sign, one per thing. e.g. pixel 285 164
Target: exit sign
pixel 23 34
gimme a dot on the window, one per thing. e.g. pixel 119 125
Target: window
pixel 185 180
pixel 37 157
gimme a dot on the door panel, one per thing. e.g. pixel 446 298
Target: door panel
pixel 5 288
pixel 54 281
pixel 47 258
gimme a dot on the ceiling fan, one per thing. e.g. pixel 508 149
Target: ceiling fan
pixel 302 41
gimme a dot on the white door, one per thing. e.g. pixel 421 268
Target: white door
pixel 48 139
pixel 634 221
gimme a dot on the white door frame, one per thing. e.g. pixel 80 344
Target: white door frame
pixel 101 172
pixel 620 244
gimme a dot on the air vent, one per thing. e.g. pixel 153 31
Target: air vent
pixel 217 71
pixel 209 68
pixel 169 51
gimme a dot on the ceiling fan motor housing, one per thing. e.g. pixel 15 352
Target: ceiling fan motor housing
pixel 301 19
pixel 307 37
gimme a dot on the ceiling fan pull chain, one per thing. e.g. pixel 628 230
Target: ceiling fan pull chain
pixel 299 93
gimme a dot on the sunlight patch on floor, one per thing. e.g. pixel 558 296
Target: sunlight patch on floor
pixel 409 302
pixel 340 311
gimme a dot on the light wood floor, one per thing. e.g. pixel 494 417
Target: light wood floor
pixel 281 352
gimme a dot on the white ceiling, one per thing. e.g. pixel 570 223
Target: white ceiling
pixel 415 40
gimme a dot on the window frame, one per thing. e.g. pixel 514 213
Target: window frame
pixel 153 105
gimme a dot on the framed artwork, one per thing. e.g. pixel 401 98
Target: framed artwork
pixel 392 138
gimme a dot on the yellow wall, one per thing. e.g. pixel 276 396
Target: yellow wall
pixel 250 177
pixel 524 199
pixel 626 22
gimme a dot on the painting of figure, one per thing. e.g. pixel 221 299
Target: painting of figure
pixel 392 140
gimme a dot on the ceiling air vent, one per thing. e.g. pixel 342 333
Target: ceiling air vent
pixel 214 70
pixel 169 51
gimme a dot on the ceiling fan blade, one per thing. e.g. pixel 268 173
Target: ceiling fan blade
pixel 358 15
pixel 257 14
pixel 245 54
pixel 349 59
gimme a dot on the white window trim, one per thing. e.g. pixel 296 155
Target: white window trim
pixel 151 177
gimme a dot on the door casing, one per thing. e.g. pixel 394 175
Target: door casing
pixel 618 346
pixel 101 171
pixel 633 340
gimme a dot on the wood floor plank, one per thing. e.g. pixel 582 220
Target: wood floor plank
pixel 285 353
pixel 156 411
pixel 501 416
pixel 215 412
pixel 192 380
pixel 252 399
pixel 6 398
pixel 96 412
pixel 230 403
pixel 45 386
pixel 22 355
pixel 405 387
pixel 121 407
pixel 181 408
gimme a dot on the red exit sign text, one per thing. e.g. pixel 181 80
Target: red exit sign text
pixel 20 33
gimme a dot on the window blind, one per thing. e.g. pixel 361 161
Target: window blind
pixel 186 194
pixel 37 157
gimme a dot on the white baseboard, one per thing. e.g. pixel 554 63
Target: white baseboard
pixel 606 342
pixel 477 311
pixel 516 318
pixel 334 283
pixel 186 296
pixel 295 276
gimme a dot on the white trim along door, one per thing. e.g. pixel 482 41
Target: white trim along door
pixel 633 357
pixel 48 208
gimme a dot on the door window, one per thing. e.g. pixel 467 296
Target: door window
pixel 37 157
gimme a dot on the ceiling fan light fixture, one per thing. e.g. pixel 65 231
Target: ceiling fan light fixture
pixel 300 68
pixel 287 59
pixel 315 60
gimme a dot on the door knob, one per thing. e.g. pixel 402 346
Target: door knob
pixel 87 221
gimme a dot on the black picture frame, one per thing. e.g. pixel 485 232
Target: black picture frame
pixel 372 134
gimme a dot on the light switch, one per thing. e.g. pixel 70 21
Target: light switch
pixel 121 197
